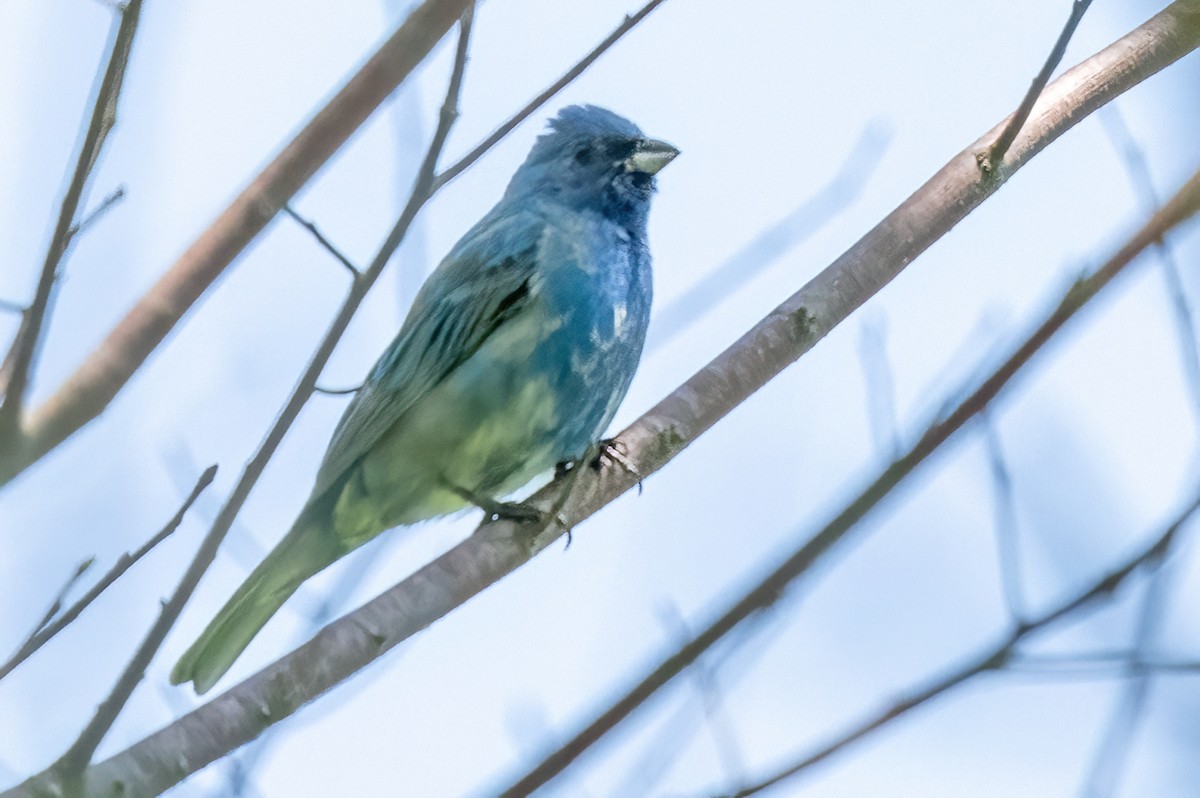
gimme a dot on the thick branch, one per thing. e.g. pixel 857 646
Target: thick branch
pixel 768 591
pixel 104 117
pixel 106 370
pixel 352 642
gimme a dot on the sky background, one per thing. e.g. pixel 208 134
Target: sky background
pixel 770 103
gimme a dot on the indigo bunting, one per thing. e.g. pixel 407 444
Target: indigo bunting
pixel 513 359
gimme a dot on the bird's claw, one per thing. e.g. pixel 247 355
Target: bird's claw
pixel 613 451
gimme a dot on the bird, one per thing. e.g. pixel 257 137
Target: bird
pixel 512 360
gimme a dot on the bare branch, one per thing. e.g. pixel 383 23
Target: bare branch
pixel 70 766
pixel 322 240
pixel 994 156
pixel 537 102
pixel 991 659
pixel 103 118
pixel 56 605
pixel 51 625
pixel 1008 550
pixel 348 644
pixel 107 369
pixel 94 215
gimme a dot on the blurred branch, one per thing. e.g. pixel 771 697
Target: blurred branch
pixel 880 386
pixel 764 594
pixel 51 625
pixel 995 154
pixel 774 241
pixel 18 366
pixel 110 366
pixel 350 643
pixel 1138 171
pixel 68 769
pixel 1105 772
pixel 1008 549
pixel 993 658
pixel 461 165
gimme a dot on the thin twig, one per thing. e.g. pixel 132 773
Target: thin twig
pixel 461 165
pixel 992 158
pixel 103 118
pixel 8 306
pixel 49 628
pixel 94 215
pixel 772 587
pixel 70 766
pixel 323 241
pixel 56 605
pixel 994 658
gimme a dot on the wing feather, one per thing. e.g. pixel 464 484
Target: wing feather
pixel 472 293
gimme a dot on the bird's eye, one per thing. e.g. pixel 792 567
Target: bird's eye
pixel 583 154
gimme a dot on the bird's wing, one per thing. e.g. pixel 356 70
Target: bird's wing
pixel 484 282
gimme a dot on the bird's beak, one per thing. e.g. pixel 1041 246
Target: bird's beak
pixel 650 156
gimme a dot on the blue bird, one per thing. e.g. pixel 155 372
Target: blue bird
pixel 513 358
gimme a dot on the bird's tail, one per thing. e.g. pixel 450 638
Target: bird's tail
pixel 306 549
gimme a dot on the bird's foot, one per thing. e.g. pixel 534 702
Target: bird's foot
pixel 613 450
pixel 496 510
pixel 520 512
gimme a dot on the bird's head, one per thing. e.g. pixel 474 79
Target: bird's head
pixel 593 159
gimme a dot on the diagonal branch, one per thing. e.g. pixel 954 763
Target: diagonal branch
pixel 110 366
pixel 102 375
pixel 995 154
pixel 19 363
pixel 359 638
pixel 52 625
pixel 764 594
pixel 72 763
